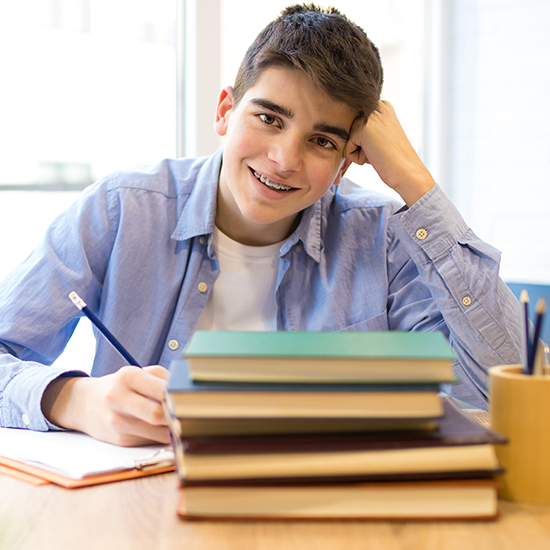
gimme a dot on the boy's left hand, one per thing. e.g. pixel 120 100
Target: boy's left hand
pixel 382 143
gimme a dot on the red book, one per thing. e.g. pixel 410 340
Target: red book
pixel 459 447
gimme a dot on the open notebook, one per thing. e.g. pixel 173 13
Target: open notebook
pixel 73 459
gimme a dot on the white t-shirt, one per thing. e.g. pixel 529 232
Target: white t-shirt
pixel 243 296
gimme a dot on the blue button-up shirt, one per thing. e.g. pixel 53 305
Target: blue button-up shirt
pixel 137 248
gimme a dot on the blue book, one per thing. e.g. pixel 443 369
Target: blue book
pixel 240 400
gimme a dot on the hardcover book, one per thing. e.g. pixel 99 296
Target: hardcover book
pixel 390 501
pixel 197 427
pixel 285 356
pixel 458 445
pixel 197 399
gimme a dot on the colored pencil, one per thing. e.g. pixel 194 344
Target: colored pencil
pixel 541 311
pixel 525 340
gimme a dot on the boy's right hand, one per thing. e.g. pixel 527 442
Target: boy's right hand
pixel 123 408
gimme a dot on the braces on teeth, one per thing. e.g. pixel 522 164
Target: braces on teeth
pixel 272 184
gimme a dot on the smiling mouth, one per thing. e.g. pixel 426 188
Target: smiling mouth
pixel 271 184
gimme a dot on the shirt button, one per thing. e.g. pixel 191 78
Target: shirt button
pixel 173 345
pixel 466 300
pixel 202 287
pixel 421 234
pixel 202 240
pixel 298 248
pixel 25 418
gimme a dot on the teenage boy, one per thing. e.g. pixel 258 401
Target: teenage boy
pixel 265 234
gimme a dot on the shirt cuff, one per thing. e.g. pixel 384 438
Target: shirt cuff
pixel 430 227
pixel 21 405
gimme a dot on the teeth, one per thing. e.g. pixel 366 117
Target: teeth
pixel 271 184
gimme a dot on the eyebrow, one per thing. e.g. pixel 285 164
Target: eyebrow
pixel 266 104
pixel 328 129
pixel 342 133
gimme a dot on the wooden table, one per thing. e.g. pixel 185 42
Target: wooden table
pixel 141 514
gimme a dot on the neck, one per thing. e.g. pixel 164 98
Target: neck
pixel 253 234
pixel 231 222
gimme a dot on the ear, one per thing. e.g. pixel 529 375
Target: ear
pixel 345 165
pixel 223 110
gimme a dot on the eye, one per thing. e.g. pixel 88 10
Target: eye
pixel 324 143
pixel 270 120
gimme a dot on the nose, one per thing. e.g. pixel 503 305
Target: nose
pixel 286 153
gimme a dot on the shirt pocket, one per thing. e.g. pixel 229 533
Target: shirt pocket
pixel 377 323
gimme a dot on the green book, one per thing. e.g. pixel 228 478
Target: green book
pixel 321 357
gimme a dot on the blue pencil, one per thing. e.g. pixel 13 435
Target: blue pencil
pixel 541 311
pixel 525 340
pixel 80 304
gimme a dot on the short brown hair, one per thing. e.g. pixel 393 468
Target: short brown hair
pixel 334 52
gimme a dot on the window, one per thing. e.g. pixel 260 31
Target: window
pixel 91 88
pixel 88 87
pixel 500 162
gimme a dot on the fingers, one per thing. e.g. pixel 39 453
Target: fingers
pixel 138 415
pixel 354 151
pixel 364 131
pixel 157 370
pixel 382 142
pixel 149 381
pixel 138 393
pixel 146 422
pixel 124 408
pixel 127 431
pixel 129 404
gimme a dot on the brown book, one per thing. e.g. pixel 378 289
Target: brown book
pixel 399 501
pixel 459 447
pixel 201 427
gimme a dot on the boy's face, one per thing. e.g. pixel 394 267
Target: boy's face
pixel 283 150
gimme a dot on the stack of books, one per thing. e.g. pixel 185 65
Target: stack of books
pixel 290 425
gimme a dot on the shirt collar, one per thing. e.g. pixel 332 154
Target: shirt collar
pixel 309 232
pixel 199 212
pixel 203 200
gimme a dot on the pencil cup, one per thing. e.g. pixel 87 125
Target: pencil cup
pixel 519 407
